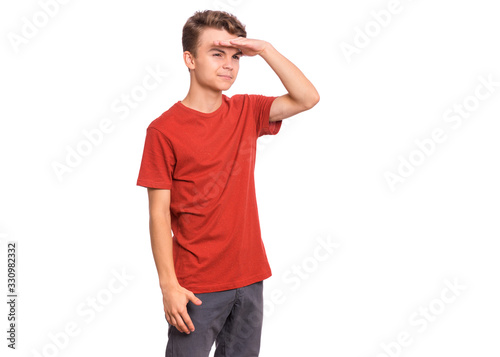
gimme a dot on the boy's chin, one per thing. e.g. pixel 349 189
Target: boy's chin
pixel 226 87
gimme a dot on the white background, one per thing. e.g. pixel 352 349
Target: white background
pixel 322 176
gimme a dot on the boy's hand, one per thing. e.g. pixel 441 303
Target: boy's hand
pixel 247 46
pixel 175 300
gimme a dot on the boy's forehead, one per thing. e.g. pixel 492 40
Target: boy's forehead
pixel 209 35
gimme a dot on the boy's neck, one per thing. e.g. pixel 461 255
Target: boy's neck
pixel 202 100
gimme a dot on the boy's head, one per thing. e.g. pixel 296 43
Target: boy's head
pixel 212 67
pixel 202 20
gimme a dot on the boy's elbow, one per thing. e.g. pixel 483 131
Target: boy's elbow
pixel 313 100
pixel 316 99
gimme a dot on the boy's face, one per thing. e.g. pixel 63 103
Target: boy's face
pixel 216 67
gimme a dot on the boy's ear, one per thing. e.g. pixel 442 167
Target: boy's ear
pixel 189 59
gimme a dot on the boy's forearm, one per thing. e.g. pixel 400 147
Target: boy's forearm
pixel 161 244
pixel 300 89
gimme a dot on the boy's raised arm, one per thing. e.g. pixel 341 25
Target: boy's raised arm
pixel 301 96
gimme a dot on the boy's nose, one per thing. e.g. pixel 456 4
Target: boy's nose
pixel 228 63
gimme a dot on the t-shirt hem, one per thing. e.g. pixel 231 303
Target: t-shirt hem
pixel 226 286
pixel 270 127
pixel 152 184
pixel 274 127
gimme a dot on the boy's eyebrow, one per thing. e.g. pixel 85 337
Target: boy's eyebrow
pixel 218 49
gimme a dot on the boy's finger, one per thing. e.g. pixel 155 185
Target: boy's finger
pixel 188 322
pixel 194 299
pixel 181 326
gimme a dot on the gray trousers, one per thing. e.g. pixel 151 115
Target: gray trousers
pixel 231 318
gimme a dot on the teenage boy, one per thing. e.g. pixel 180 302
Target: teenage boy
pixel 198 165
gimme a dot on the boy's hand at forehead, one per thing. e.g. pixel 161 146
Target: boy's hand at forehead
pixel 247 46
pixel 301 94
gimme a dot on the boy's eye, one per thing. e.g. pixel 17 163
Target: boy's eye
pixel 236 57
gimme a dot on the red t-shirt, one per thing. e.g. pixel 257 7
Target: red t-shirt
pixel 207 160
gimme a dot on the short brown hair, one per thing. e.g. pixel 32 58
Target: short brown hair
pixel 209 19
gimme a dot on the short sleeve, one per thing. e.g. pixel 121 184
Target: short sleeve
pixel 158 161
pixel 262 107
